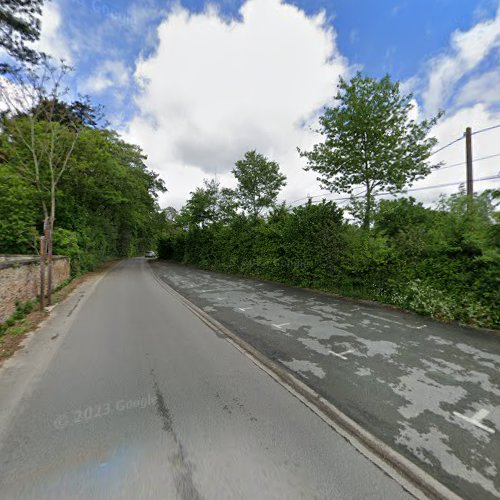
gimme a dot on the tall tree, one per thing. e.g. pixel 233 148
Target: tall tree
pixel 42 132
pixel 19 24
pixel 259 182
pixel 111 196
pixel 208 204
pixel 371 141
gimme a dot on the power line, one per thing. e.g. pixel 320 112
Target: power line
pixel 460 138
pixel 442 185
pixel 319 195
pixel 464 162
pixel 446 146
pixel 437 168
pixel 485 129
pixel 309 197
pixel 423 188
pixel 444 167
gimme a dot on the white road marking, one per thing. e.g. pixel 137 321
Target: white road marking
pixel 282 324
pixel 394 321
pixel 341 355
pixel 476 420
pixel 206 291
pixel 246 308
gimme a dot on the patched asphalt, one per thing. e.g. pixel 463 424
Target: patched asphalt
pixel 429 390
pixel 137 398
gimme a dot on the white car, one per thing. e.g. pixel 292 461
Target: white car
pixel 150 254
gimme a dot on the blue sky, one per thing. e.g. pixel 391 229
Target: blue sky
pixel 155 65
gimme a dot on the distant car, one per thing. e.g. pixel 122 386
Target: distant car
pixel 150 254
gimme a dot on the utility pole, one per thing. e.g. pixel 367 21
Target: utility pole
pixel 468 157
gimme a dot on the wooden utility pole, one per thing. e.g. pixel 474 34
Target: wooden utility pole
pixel 42 272
pixel 468 158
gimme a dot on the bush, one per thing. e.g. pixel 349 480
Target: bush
pixel 443 263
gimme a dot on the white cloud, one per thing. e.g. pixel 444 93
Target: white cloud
pixel 108 74
pixel 51 41
pixel 468 49
pixel 216 88
pixel 484 87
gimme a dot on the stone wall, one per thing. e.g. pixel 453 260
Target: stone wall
pixel 20 279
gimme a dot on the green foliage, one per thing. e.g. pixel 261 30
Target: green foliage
pixel 449 259
pixel 166 248
pixel 18 213
pixel 208 204
pixel 259 183
pixel 312 243
pixel 106 204
pixel 370 140
pixel 442 262
pixel 19 24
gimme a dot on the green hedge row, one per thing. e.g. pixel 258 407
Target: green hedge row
pixel 443 263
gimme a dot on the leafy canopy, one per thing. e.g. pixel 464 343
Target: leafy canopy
pixel 371 140
pixel 207 205
pixel 259 182
pixel 19 23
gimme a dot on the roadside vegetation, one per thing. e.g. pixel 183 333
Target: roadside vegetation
pixel 66 175
pixel 441 261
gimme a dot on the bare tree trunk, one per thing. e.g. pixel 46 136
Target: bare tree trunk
pixel 368 209
pixel 49 264
pixel 49 242
pixel 42 272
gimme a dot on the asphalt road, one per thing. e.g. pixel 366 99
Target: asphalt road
pixel 124 393
pixel 428 390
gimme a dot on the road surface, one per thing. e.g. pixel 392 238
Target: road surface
pixel 429 390
pixel 124 393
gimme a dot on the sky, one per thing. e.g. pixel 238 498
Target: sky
pixel 197 84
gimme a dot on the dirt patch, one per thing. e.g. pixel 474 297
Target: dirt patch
pixel 12 339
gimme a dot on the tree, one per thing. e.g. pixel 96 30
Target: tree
pixel 371 141
pixel 109 200
pixel 106 206
pixel 42 133
pixel 19 23
pixel 18 212
pixel 200 208
pixel 207 205
pixel 170 214
pixel 401 215
pixel 259 182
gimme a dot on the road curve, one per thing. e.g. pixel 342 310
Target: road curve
pixel 140 399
